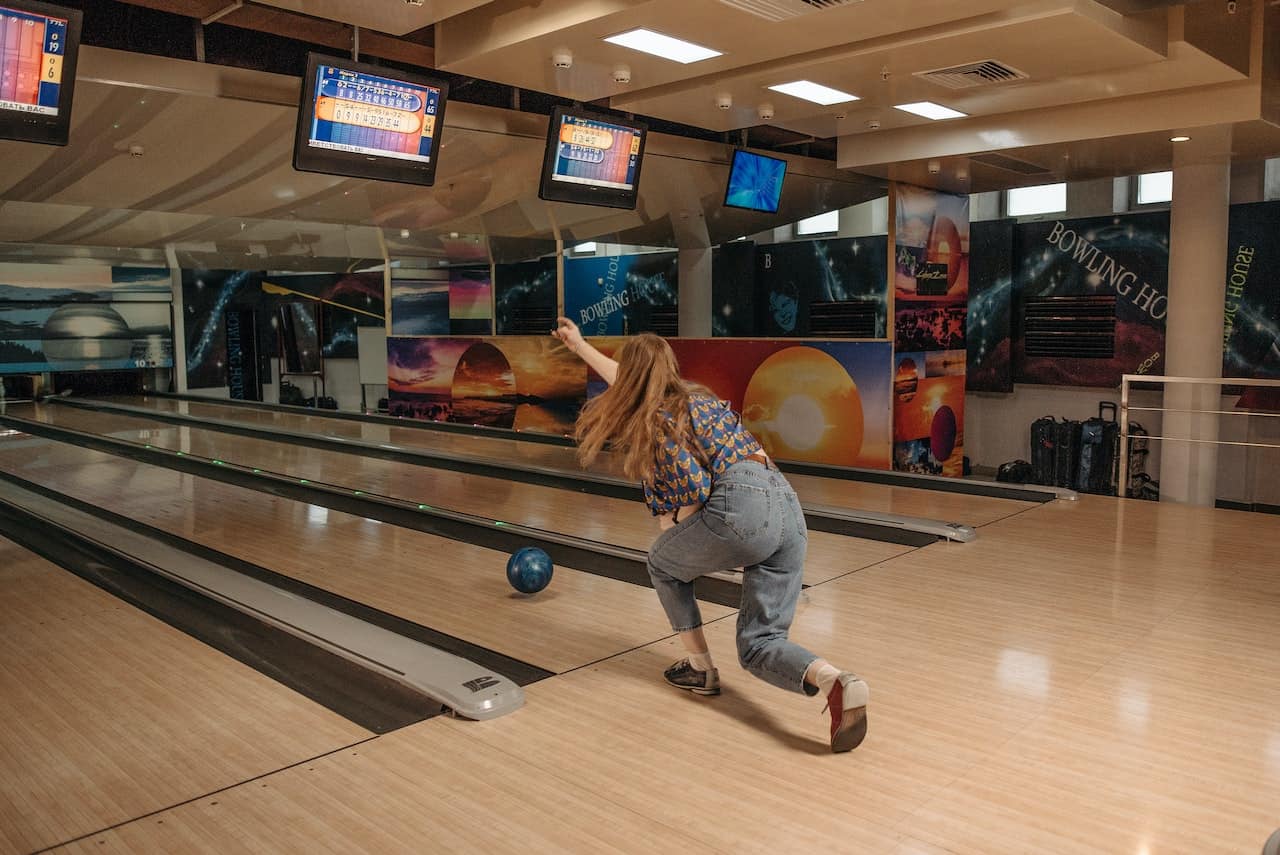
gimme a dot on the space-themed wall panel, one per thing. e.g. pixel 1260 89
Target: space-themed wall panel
pixel 525 297
pixel 1251 314
pixel 733 289
pixel 792 277
pixel 348 300
pixel 56 317
pixel 1124 256
pixel 815 401
pixel 617 294
pixel 987 330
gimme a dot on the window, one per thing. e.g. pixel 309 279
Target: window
pixel 821 224
pixel 1028 201
pixel 1155 188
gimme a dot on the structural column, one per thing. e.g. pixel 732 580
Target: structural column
pixel 695 292
pixel 694 270
pixel 1193 337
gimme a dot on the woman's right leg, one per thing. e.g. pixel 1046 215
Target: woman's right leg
pixel 770 590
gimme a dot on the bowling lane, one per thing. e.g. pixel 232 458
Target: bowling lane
pixel 600 518
pixel 110 714
pixel 457 588
pixel 880 498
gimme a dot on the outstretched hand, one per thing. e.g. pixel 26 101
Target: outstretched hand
pixel 567 331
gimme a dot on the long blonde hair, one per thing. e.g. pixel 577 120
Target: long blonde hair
pixel 647 403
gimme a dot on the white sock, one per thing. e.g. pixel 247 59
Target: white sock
pixel 702 661
pixel 825 679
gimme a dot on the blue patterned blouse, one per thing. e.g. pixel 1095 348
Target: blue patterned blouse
pixel 679 479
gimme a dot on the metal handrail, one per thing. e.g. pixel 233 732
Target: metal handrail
pixel 1122 480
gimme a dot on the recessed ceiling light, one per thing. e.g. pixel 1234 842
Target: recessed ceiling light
pixel 667 47
pixel 930 110
pixel 815 92
pixel 1179 139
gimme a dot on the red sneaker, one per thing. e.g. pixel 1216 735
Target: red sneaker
pixel 847 702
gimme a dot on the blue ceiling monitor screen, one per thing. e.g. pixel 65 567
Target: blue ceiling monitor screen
pixel 755 182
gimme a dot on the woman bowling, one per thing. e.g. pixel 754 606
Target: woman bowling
pixel 721 504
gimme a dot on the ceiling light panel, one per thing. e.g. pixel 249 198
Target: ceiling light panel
pixel 815 92
pixel 930 110
pixel 667 47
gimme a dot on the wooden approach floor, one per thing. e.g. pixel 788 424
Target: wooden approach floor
pixel 1089 677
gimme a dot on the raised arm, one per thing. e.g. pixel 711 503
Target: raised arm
pixel 567 331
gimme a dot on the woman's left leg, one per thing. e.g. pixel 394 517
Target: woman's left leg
pixel 677 557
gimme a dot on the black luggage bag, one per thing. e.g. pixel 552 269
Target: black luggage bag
pixel 1066 453
pixel 1043 439
pixel 1099 452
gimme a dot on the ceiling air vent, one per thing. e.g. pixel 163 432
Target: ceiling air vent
pixel 781 10
pixel 1010 164
pixel 985 73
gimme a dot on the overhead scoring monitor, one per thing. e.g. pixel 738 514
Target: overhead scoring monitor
pixel 592 159
pixel 39 44
pixel 369 122
pixel 755 182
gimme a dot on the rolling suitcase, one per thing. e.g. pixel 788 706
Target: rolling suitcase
pixel 1099 452
pixel 1066 453
pixel 1042 450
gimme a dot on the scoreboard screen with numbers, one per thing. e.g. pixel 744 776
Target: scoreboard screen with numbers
pixel 592 159
pixel 364 114
pixel 32 47
pixel 597 153
pixel 366 121
pixel 39 45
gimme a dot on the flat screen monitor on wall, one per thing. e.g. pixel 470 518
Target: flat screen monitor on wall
pixel 755 182
pixel 369 122
pixel 592 159
pixel 39 44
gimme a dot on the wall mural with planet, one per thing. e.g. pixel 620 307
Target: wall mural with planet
pixel 520 382
pixel 816 401
pixel 931 291
pixel 56 317
pixel 812 401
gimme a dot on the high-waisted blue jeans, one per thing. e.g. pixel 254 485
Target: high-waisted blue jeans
pixel 751 520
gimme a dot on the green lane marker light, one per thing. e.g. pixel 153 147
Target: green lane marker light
pixel 424 507
pixel 257 472
pixel 498 522
pixel 303 481
pixel 359 492
pixel 218 463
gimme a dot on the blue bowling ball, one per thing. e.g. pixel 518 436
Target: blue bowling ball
pixel 529 570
